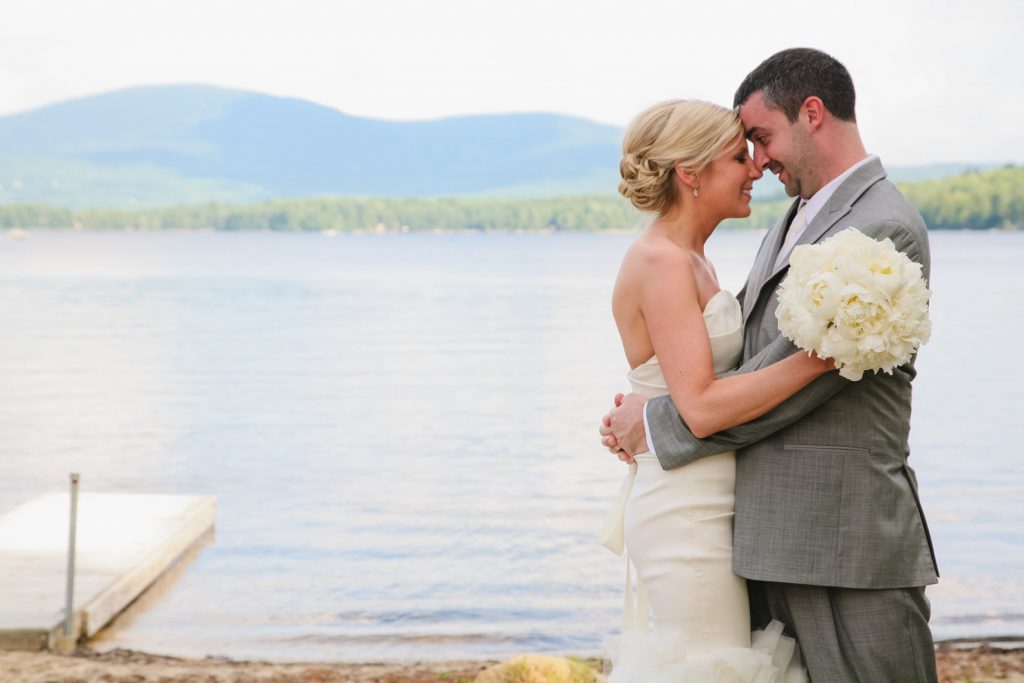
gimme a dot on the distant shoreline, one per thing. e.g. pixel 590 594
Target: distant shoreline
pixel 977 201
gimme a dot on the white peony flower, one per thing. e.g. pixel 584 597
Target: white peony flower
pixel 855 300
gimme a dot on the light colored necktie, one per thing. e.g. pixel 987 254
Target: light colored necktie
pixel 796 228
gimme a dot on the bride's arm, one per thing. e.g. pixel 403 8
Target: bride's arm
pixel 671 310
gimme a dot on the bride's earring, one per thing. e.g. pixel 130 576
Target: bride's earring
pixel 696 192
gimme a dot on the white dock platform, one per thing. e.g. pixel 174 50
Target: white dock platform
pixel 125 542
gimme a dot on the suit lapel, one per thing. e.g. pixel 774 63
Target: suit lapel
pixel 765 259
pixel 838 206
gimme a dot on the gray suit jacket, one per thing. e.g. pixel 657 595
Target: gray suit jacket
pixel 824 493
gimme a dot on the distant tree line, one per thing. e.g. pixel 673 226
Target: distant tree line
pixel 981 200
pixel 972 201
pixel 345 214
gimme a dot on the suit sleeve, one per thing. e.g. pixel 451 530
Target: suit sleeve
pixel 676 446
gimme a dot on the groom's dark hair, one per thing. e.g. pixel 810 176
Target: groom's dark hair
pixel 789 77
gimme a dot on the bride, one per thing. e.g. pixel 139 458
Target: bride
pixel 687 163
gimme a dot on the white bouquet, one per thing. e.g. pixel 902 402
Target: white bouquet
pixel 855 300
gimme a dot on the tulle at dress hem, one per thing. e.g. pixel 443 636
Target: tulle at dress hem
pixel 642 656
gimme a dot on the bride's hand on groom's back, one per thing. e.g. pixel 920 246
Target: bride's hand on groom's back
pixel 622 429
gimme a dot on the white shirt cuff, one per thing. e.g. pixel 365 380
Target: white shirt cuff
pixel 647 433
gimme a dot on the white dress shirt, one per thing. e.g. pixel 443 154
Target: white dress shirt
pixel 809 210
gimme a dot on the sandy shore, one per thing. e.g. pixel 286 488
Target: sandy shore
pixel 126 666
pixel 978 665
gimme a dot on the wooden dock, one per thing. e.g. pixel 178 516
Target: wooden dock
pixel 125 542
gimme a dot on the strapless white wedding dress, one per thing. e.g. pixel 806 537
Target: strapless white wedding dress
pixel 677 526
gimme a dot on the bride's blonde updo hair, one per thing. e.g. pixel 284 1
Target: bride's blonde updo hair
pixel 688 132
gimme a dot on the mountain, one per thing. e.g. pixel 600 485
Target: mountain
pixel 189 143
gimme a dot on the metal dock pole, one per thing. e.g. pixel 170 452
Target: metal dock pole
pixel 69 614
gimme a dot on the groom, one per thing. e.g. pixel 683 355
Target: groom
pixel 828 530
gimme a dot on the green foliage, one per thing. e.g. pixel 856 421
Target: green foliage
pixel 560 214
pixel 972 201
pixel 577 213
pixel 976 200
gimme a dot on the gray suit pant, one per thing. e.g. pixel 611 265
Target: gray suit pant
pixel 849 635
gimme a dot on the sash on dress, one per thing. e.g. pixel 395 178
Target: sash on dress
pixel 636 610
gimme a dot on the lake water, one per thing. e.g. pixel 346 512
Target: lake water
pixel 400 430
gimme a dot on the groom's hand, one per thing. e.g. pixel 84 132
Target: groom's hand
pixel 622 429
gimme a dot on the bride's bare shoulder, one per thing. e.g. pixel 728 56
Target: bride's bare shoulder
pixel 650 254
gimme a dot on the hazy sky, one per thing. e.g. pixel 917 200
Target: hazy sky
pixel 936 81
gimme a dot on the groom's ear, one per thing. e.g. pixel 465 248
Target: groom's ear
pixel 813 111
